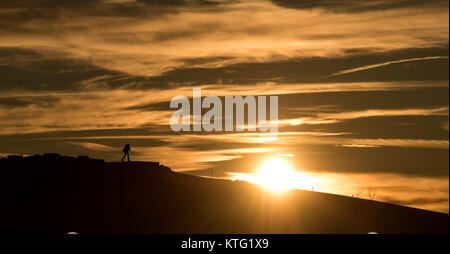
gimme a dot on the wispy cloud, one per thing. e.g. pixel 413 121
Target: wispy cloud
pixel 151 42
pixel 327 118
pixel 372 66
pixel 100 109
pixel 102 79
pixel 442 144
pixel 94 146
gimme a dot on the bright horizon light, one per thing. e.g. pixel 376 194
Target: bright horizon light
pixel 278 175
pixel 275 174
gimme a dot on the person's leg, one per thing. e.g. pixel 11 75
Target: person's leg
pixel 128 156
pixel 124 154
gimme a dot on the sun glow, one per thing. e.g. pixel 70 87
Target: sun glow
pixel 277 174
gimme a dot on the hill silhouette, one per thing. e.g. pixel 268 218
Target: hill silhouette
pixel 57 194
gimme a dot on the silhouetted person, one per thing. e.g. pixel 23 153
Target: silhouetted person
pixel 126 152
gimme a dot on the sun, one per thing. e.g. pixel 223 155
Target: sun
pixel 275 174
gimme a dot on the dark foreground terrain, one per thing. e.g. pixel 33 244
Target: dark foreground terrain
pixel 54 194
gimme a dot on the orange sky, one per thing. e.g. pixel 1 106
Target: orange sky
pixel 362 86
